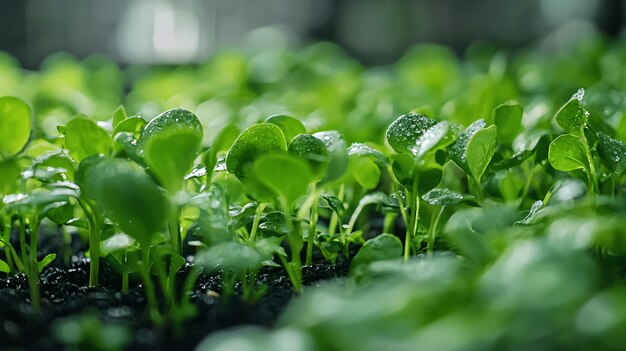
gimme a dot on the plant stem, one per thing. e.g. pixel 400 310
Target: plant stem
pixel 408 239
pixel 23 244
pixel 95 227
pixel 33 277
pixel 175 230
pixel 125 272
pixel 388 225
pixel 433 231
pixel 255 223
pixel 312 226
pixel 408 226
pixel 147 280
pixel 334 218
pixel 529 181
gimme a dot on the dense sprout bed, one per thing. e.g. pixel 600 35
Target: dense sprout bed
pixel 440 203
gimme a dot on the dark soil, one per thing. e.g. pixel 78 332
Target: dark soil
pixel 65 293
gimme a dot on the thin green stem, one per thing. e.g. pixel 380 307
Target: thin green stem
pixel 388 224
pixel 174 229
pixel 311 236
pixel 334 218
pixel 257 219
pixel 147 280
pixel 33 276
pixel 125 272
pixel 23 252
pixel 95 228
pixel 433 231
pixel 408 239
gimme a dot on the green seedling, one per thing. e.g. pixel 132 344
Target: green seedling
pixel 416 138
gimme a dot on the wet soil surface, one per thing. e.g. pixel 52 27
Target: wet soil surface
pixel 65 295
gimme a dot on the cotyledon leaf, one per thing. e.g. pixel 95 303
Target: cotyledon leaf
pixel 403 133
pixel 567 153
pixel 312 150
pixel 259 139
pixel 15 126
pixel 612 153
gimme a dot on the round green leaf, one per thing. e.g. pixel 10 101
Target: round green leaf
pixel 480 150
pixel 380 248
pixel 612 153
pixel 403 133
pixel 290 126
pixel 119 115
pixel 443 197
pixel 337 153
pixel 84 138
pixel 15 126
pixel 508 119
pixel 132 125
pixel 127 192
pixel 435 137
pixel 259 139
pixel 9 175
pixel 567 153
pixel 363 150
pixel 287 176
pixel 175 118
pixel 312 150
pixel 573 116
pixel 170 143
pixel 366 173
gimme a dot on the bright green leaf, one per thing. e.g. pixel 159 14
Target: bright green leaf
pixel 480 150
pixel 612 153
pixel 508 119
pixel 404 132
pixel 15 126
pixel 287 176
pixel 567 153
pixel 312 150
pixel 84 138
pixel 46 261
pixel 337 153
pixel 380 248
pixel 258 140
pixel 119 115
pixel 573 116
pixel 127 192
pixel 290 126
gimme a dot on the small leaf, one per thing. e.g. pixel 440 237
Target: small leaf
pixel 612 153
pixel 15 126
pixel 290 126
pixel 170 155
pixel 46 261
pixel 119 115
pixel 458 150
pixel 9 175
pixel 380 248
pixel 366 173
pixel 132 125
pixel 84 138
pixel 363 150
pixel 404 132
pixel 573 116
pixel 127 192
pixel 312 150
pixel 404 168
pixel 480 150
pixel 508 119
pixel 567 153
pixel 4 267
pixel 337 153
pixel 116 242
pixel 271 171
pixel 170 143
pixel 230 255
pixel 438 136
pixel 259 139
pixel 443 197
pixel 223 141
